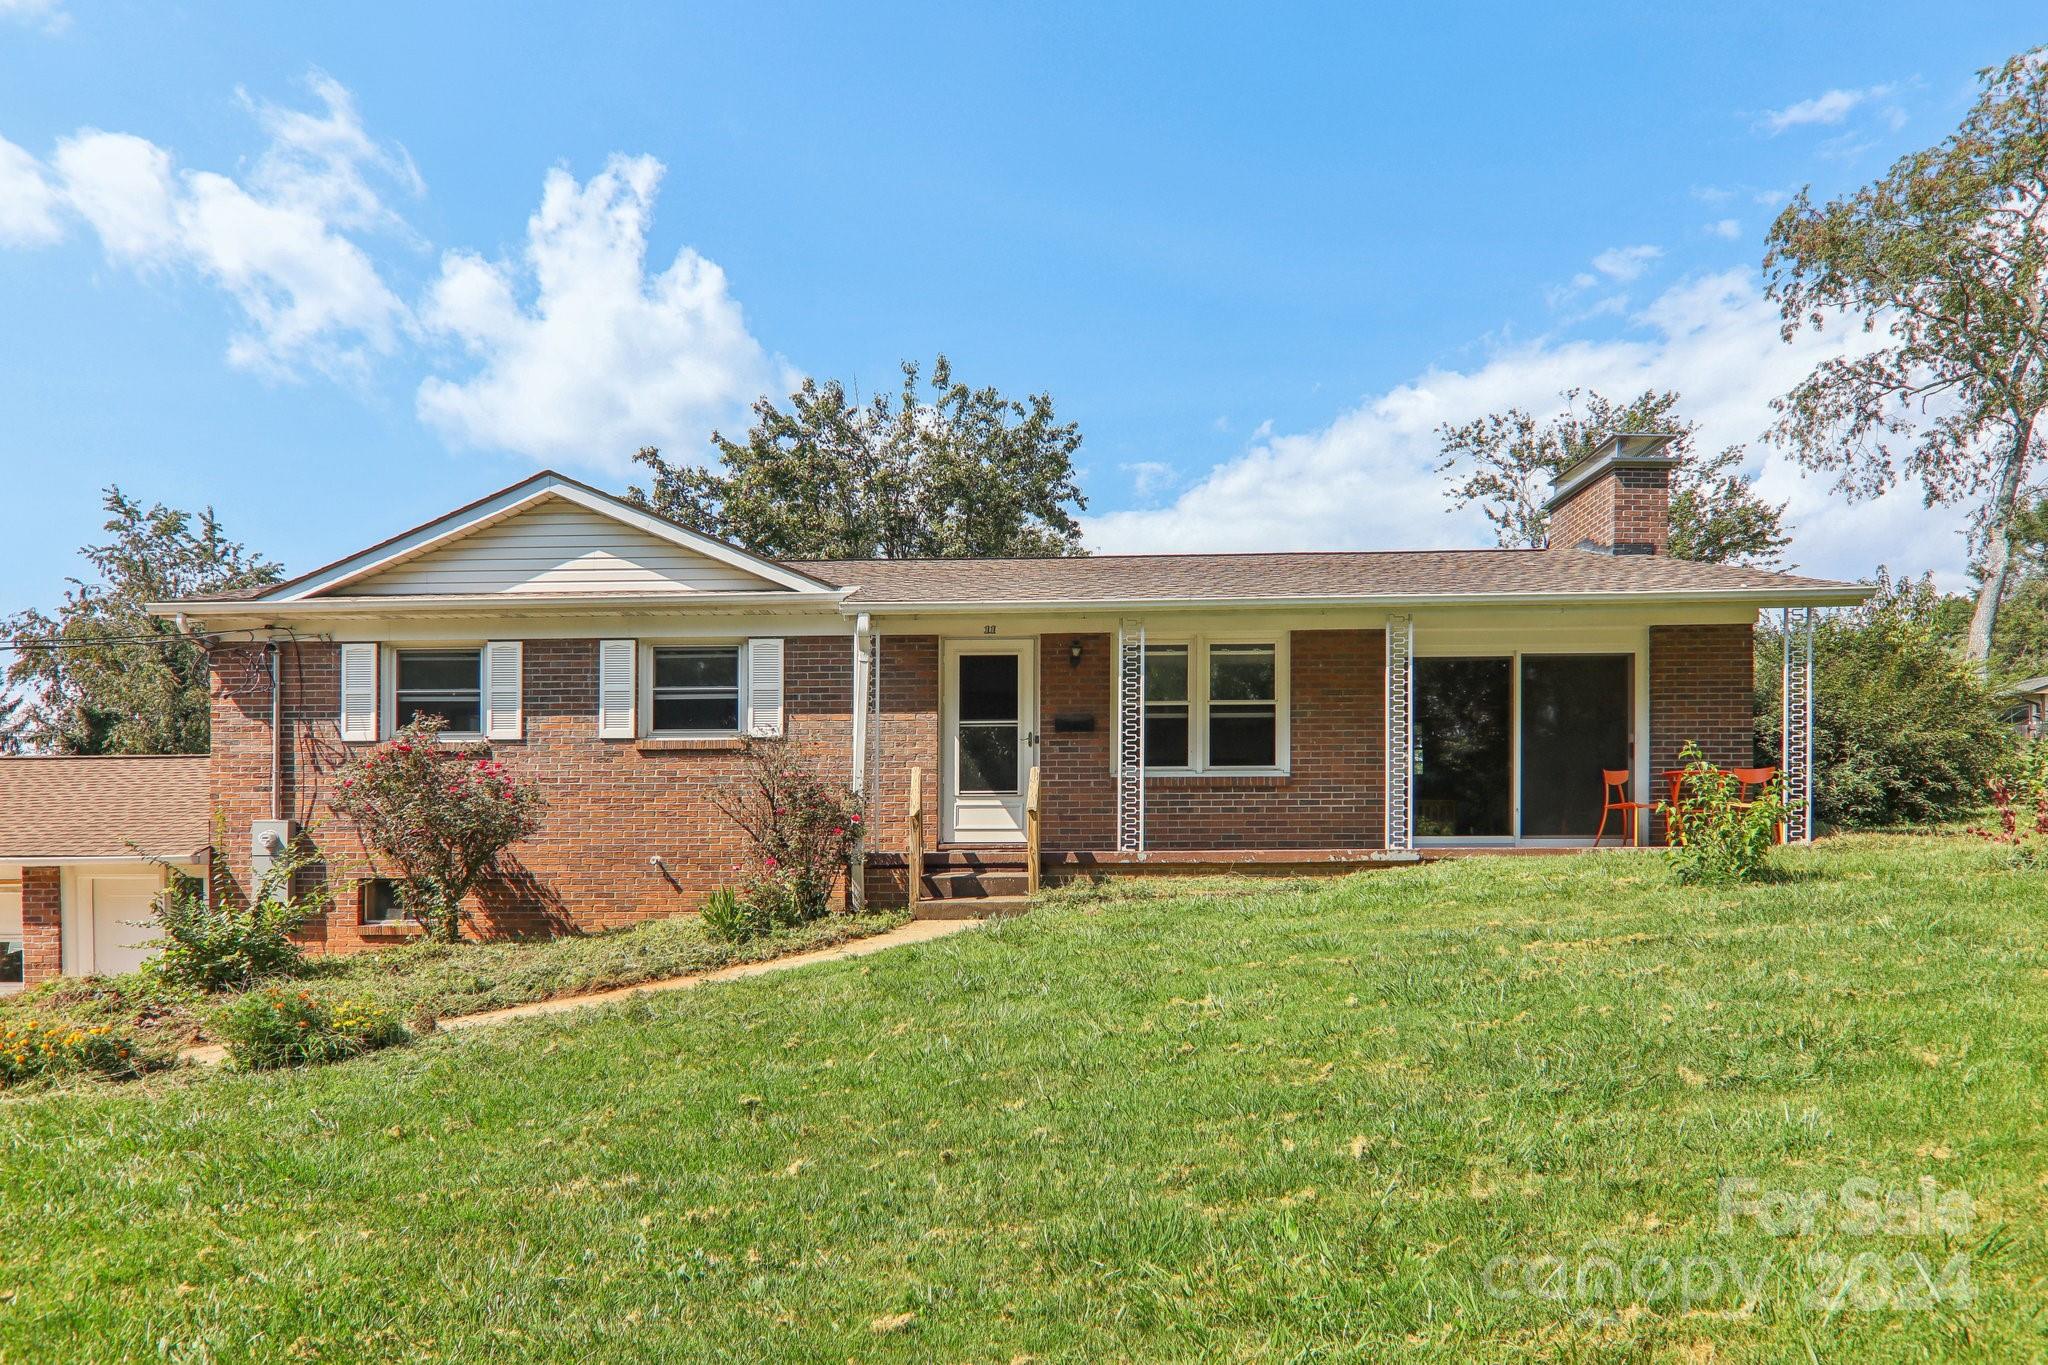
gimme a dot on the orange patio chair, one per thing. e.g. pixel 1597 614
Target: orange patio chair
pixel 1753 781
pixel 1614 797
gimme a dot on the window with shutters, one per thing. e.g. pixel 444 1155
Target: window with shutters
pixel 439 682
pixel 1216 706
pixel 697 690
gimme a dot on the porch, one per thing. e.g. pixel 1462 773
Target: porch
pixel 1074 754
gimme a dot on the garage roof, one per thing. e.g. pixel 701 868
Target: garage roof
pixel 64 808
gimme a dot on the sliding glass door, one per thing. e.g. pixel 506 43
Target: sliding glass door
pixel 1464 748
pixel 1575 721
pixel 1513 747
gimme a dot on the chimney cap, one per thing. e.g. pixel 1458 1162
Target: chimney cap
pixel 1617 450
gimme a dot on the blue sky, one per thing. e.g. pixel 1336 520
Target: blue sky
pixel 335 269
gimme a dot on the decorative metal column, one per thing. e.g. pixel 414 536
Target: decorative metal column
pixel 1400 731
pixel 1795 734
pixel 1130 737
pixel 867 748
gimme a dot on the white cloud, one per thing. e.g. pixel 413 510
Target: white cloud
pixel 1831 107
pixel 48 15
pixel 603 359
pixel 1365 481
pixel 1150 476
pixel 28 202
pixel 1625 263
pixel 1728 229
pixel 275 242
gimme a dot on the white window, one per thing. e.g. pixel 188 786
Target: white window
pixel 438 682
pixel 1216 706
pixel 696 690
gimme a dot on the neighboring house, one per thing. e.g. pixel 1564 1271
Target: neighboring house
pixel 85 846
pixel 1181 710
pixel 2028 711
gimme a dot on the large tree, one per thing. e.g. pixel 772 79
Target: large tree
pixel 103 676
pixel 1946 259
pixel 1506 462
pixel 948 473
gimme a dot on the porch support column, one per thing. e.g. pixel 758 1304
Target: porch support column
pixel 1130 737
pixel 1400 692
pixel 866 770
pixel 1795 711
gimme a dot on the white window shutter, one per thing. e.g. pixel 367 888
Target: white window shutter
pixel 764 687
pixel 616 709
pixel 501 689
pixel 358 692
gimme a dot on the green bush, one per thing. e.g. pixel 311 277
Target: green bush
pixel 1905 732
pixel 32 1047
pixel 1726 838
pixel 274 1028
pixel 729 918
pixel 226 946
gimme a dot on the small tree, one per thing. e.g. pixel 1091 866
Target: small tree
pixel 802 827
pixel 1725 837
pixel 443 815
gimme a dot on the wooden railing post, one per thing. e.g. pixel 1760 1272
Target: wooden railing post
pixel 1031 833
pixel 914 864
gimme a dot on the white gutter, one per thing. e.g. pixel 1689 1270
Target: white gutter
pixel 1845 596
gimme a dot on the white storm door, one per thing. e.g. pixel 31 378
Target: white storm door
pixel 990 740
pixel 122 922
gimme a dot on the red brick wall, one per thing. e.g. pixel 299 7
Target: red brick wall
pixel 42 924
pixel 1702 688
pixel 612 804
pixel 1077 768
pixel 1628 508
pixel 1333 797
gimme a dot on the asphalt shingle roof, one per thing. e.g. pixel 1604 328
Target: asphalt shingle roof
pixel 1218 577
pixel 123 807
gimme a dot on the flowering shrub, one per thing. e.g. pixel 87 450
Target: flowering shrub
pixel 1727 839
pixel 803 830
pixel 274 1028
pixel 217 946
pixel 442 815
pixel 2019 794
pixel 34 1047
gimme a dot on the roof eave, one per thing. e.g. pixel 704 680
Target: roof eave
pixel 258 610
pixel 1833 595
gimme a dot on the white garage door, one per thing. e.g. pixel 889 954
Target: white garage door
pixel 121 922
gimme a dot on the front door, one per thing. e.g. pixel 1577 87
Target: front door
pixel 990 740
pixel 122 922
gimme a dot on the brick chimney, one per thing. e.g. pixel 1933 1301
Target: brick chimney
pixel 1616 501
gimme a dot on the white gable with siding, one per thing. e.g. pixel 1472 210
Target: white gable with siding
pixel 557 546
pixel 549 536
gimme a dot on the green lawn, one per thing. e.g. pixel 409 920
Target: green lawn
pixel 1270 1122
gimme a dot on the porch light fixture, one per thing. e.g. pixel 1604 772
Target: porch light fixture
pixel 1074 653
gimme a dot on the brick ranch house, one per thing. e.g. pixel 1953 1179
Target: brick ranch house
pixel 1201 710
